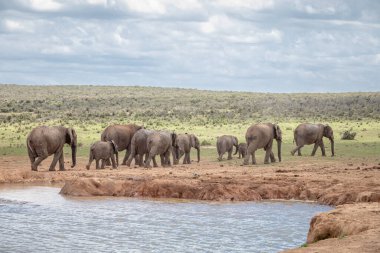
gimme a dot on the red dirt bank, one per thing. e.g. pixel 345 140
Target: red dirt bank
pixel 352 227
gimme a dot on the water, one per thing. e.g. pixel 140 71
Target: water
pixel 38 219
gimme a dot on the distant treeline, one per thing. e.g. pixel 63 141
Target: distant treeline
pixel 106 103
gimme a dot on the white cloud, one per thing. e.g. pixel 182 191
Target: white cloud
pixel 247 4
pixel 44 5
pixel 277 45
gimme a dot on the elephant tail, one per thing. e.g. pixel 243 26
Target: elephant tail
pixel 114 147
pixel 30 147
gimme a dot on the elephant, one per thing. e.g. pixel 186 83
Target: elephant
pixel 44 141
pixel 122 136
pixel 306 134
pixel 225 143
pixel 102 150
pixel 185 142
pixel 161 143
pixel 139 148
pixel 261 136
pixel 242 150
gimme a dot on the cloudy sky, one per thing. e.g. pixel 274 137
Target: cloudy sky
pixel 251 45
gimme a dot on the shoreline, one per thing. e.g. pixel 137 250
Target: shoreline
pixel 338 184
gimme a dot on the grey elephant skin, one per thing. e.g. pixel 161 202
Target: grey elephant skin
pixel 122 136
pixel 185 142
pixel 139 148
pixel 161 143
pixel 261 136
pixel 102 150
pixel 242 149
pixel 306 134
pixel 44 141
pixel 226 143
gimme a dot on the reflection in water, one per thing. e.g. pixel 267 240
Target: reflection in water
pixel 38 219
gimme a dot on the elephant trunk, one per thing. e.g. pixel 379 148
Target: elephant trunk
pixel 332 147
pixel 74 155
pixel 279 150
pixel 237 149
pixel 198 153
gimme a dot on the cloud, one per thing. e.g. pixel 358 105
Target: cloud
pixel 255 45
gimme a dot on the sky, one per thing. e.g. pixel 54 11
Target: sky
pixel 238 45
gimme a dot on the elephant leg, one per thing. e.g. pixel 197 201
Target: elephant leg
pixel 102 166
pixel 297 149
pixel 272 158
pixel 162 160
pixel 185 159
pixel 127 153
pixel 322 148
pixel 61 163
pixel 97 163
pixel 239 154
pixel 38 161
pixel 89 163
pixel 267 155
pixel 254 158
pixel 90 159
pixel 316 145
pixel 32 157
pixel 150 156
pixel 57 155
pixel 113 161
pixel 230 154
pixel 167 158
pixel 188 158
pixel 154 162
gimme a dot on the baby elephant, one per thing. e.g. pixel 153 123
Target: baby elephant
pixel 242 150
pixel 102 150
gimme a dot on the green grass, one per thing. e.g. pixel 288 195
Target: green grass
pixel 208 114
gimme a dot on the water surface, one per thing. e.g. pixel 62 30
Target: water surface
pixel 38 219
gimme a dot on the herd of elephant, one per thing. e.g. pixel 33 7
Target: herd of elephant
pixel 144 145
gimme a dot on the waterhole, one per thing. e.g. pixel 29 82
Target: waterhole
pixel 38 219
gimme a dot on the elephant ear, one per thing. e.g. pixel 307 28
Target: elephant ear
pixel 174 139
pixel 73 136
pixel 277 132
pixel 192 140
pixel 327 130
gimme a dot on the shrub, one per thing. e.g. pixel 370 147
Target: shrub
pixel 348 135
pixel 205 143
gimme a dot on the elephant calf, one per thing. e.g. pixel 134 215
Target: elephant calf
pixel 185 142
pixel 139 148
pixel 161 143
pixel 226 143
pixel 242 150
pixel 102 150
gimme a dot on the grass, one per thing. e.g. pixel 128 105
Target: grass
pixel 208 114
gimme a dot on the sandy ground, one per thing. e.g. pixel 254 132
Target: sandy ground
pixel 351 185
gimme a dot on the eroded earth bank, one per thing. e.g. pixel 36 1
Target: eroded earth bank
pixel 352 186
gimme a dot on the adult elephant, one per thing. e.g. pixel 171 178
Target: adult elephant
pixel 185 142
pixel 44 141
pixel 122 136
pixel 226 143
pixel 161 143
pixel 262 136
pixel 306 134
pixel 139 148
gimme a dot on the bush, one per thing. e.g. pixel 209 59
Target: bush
pixel 205 143
pixel 348 135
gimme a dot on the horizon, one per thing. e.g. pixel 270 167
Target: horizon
pixel 268 46
pixel 184 88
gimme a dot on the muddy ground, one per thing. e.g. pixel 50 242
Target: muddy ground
pixel 352 185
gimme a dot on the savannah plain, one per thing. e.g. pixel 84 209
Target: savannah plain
pixel 350 180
